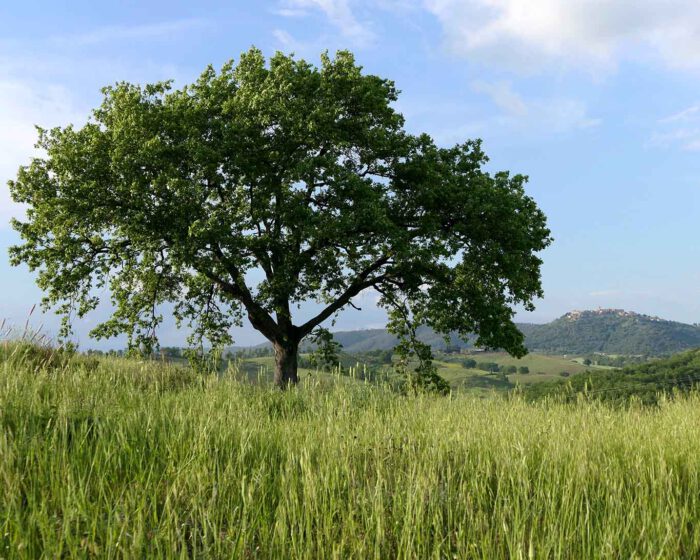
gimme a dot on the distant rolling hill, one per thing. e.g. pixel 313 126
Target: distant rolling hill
pixel 381 339
pixel 610 331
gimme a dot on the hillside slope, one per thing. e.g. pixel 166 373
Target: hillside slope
pixel 610 331
pixel 381 339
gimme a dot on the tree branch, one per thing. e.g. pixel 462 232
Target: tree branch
pixel 257 315
pixel 359 283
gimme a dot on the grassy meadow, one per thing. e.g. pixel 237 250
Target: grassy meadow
pixel 116 458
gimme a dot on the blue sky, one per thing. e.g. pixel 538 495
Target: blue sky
pixel 597 101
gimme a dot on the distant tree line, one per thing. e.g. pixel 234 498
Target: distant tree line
pixel 257 352
pixel 617 361
pixel 493 367
pixel 110 353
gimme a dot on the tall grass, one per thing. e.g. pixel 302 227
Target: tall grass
pixel 122 459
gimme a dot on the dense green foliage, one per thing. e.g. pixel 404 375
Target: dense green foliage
pixel 135 460
pixel 268 184
pixel 646 382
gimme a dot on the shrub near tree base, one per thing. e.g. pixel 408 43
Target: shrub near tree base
pixel 304 174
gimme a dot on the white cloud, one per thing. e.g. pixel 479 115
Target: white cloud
pixel 338 12
pixel 528 34
pixel 550 115
pixel 22 106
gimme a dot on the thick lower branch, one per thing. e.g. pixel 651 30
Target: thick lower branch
pixel 361 282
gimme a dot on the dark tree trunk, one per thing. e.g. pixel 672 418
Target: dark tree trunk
pixel 286 364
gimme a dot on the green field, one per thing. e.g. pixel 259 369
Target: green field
pixel 126 459
pixel 542 368
pixel 580 361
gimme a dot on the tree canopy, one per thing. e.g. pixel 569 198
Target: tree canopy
pixel 267 184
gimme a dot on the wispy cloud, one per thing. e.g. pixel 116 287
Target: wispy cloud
pixel 684 115
pixel 164 29
pixel 339 14
pixel 502 94
pixel 290 12
pixel 541 115
pixel 288 43
pixel 679 130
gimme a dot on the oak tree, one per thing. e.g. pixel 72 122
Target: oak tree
pixel 264 185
